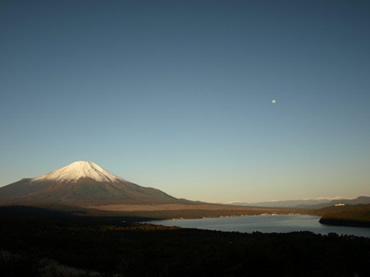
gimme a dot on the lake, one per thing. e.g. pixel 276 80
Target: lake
pixel 266 224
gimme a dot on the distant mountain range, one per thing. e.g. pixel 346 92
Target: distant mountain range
pixel 86 184
pixel 83 184
pixel 308 204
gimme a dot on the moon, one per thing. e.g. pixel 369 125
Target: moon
pixel 273 101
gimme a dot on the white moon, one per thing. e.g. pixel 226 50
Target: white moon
pixel 273 101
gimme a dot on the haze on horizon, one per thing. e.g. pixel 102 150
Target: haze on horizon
pixel 178 95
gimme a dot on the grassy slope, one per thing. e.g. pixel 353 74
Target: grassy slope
pixel 197 210
pixel 191 211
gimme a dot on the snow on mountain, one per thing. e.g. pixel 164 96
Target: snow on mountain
pixel 82 184
pixel 77 170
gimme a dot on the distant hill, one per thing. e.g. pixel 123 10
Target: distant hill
pixel 282 204
pixel 356 201
pixel 308 204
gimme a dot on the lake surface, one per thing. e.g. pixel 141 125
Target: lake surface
pixel 266 224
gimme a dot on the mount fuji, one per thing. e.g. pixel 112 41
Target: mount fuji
pixel 83 184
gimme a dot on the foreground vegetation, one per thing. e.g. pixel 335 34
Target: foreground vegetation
pixel 37 242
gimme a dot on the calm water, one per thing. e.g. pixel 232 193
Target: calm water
pixel 266 224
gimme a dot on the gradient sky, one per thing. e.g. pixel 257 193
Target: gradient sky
pixel 177 94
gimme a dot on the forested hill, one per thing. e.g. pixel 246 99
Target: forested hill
pixel 346 215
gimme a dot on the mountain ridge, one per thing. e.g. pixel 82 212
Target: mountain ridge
pixel 307 204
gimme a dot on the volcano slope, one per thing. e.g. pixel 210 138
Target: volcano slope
pixel 85 185
pixel 82 184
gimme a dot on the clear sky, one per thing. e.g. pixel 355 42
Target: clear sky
pixel 177 95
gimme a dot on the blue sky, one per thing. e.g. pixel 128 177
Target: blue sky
pixel 177 94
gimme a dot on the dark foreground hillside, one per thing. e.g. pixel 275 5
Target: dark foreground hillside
pixel 54 244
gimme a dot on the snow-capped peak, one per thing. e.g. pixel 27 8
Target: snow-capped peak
pixel 80 169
